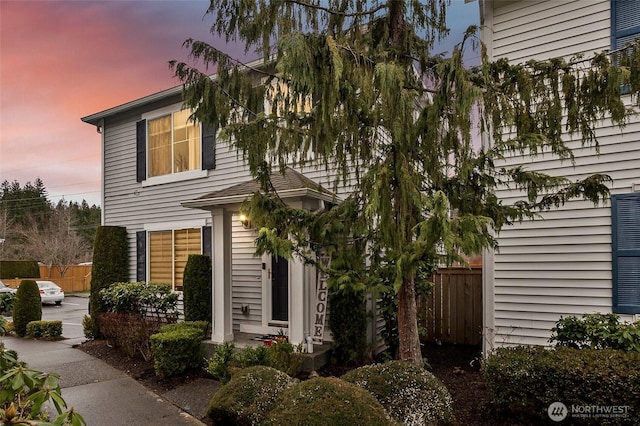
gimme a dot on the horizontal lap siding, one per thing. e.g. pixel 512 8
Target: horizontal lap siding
pixel 560 264
pixel 246 273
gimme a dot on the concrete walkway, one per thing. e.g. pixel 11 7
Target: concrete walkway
pixel 103 395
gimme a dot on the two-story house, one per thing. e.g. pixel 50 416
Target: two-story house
pixel 580 258
pixel 178 192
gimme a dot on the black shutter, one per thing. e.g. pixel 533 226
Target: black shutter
pixel 141 256
pixel 208 147
pixel 141 150
pixel 206 241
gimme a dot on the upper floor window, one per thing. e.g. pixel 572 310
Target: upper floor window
pixel 168 143
pixel 625 22
pixel 174 144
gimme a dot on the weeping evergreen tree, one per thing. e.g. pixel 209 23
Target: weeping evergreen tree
pixel 355 88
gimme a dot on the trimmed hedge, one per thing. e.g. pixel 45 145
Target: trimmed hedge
pixel 524 381
pixel 27 307
pixel 197 288
pixel 110 265
pixel 247 398
pixel 327 401
pixel 10 269
pixel 177 350
pixel 44 329
pixel 412 395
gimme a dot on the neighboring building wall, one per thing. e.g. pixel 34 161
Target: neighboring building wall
pixel 560 265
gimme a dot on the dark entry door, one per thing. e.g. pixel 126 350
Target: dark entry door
pixel 279 289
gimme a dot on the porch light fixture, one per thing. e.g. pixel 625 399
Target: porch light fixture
pixel 244 220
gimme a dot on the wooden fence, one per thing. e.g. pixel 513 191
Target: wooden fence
pixel 453 311
pixel 77 278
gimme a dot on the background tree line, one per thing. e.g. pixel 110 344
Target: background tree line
pixel 32 227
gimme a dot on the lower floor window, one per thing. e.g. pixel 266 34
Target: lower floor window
pixel 168 254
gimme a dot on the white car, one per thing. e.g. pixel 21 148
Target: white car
pixel 6 289
pixel 50 292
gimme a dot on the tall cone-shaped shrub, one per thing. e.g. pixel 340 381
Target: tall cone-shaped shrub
pixel 197 288
pixel 110 265
pixel 28 306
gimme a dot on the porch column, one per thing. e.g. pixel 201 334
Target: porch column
pixel 222 329
pixel 297 301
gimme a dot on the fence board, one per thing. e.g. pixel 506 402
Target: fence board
pixel 76 279
pixel 453 311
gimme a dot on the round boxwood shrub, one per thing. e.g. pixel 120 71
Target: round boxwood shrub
pixel 327 401
pixel 248 396
pixel 197 288
pixel 412 395
pixel 28 306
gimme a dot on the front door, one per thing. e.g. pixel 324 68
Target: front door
pixel 279 289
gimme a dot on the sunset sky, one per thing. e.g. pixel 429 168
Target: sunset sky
pixel 63 60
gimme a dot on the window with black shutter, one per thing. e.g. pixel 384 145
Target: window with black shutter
pixel 625 224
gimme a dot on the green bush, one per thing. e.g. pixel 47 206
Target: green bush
pixel 88 327
pixel 327 401
pixel 199 325
pixel 412 395
pixel 348 324
pixel 177 350
pixel 110 265
pixel 10 269
pixel 28 306
pixel 44 329
pixel 197 288
pixel 7 301
pixel 141 299
pixel 596 331
pixel 524 381
pixel 218 365
pixel 247 398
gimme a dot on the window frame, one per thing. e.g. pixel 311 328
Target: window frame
pixel 621 306
pixel 200 225
pixel 196 173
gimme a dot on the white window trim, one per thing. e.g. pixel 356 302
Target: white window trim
pixel 169 226
pixel 171 177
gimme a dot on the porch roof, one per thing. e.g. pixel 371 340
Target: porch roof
pixel 291 184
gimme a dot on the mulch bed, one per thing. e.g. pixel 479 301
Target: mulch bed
pixel 458 367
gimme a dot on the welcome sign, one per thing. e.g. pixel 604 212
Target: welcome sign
pixel 321 303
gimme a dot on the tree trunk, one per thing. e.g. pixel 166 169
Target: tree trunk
pixel 409 349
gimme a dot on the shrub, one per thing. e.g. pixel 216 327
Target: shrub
pixel 596 331
pixel 88 327
pixel 348 324
pixel 110 265
pixel 28 306
pixel 412 395
pixel 140 299
pixel 10 269
pixel 524 381
pixel 218 365
pixel 247 398
pixel 197 288
pixel 129 333
pixel 199 325
pixel 44 329
pixel 327 401
pixel 7 301
pixel 177 349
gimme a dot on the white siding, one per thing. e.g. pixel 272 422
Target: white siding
pixel 561 264
pixel 246 276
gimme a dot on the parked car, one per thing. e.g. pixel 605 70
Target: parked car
pixel 6 289
pixel 50 292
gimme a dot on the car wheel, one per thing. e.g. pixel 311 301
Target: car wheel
pixel 58 302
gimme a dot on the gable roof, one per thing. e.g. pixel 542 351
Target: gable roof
pixel 291 184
